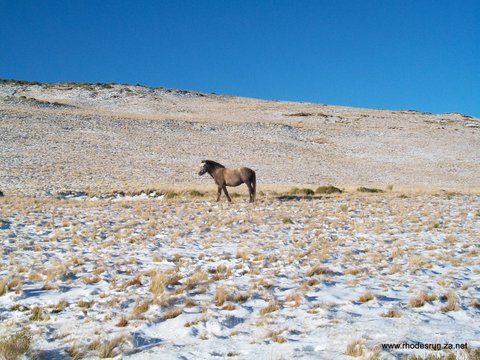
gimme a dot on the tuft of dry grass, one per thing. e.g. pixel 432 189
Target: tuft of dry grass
pixel 271 307
pixel 421 298
pixel 318 270
pixel 452 302
pixel 83 304
pixel 75 351
pixel 122 322
pixel 366 296
pixel 240 297
pixel 14 346
pixel 475 303
pixel 158 281
pixel 172 313
pixel 139 308
pixel 353 270
pixel 275 336
pixel 221 295
pixel 4 285
pixel 108 349
pixel 38 314
pixel 393 313
pixel 418 261
pixel 60 306
pixel 295 297
pixel 355 348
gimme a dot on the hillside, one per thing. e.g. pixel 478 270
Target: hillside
pixel 73 136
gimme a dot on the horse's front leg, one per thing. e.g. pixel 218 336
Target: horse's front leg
pixel 226 193
pixel 219 193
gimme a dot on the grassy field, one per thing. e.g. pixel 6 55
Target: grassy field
pixel 363 242
pixel 330 275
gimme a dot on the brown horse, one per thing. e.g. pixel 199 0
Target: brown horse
pixel 229 177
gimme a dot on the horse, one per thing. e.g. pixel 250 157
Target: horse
pixel 229 177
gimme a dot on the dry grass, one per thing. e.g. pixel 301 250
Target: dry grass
pixel 122 322
pixel 108 348
pixel 75 351
pixel 275 336
pixel 139 308
pixel 393 313
pixel 366 296
pixel 221 295
pixel 12 347
pixel 172 313
pixel 318 270
pixel 271 307
pixel 452 302
pixel 60 306
pixel 355 348
pixel 38 314
pixel 241 296
pixel 421 298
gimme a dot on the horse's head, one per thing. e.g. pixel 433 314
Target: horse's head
pixel 203 168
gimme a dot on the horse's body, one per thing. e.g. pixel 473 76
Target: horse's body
pixel 229 177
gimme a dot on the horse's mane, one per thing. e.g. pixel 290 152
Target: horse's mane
pixel 213 164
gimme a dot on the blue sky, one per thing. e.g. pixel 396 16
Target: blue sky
pixel 390 54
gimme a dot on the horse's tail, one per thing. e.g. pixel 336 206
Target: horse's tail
pixel 254 184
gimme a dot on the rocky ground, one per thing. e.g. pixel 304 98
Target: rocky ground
pixel 59 137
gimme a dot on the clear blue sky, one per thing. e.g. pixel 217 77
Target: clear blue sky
pixel 392 54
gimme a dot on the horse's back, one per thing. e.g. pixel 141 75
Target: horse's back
pixel 235 177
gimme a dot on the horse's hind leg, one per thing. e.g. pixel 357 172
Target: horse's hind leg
pixel 226 193
pixel 250 191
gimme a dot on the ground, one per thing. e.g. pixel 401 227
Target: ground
pixel 304 277
pixel 112 245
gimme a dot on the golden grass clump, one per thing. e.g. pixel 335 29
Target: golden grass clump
pixel 4 285
pixel 197 278
pixel 452 302
pixel 75 351
pixel 418 262
pixel 172 313
pixel 108 348
pixel 271 307
pixel 241 296
pixel 139 308
pixel 275 336
pixel 122 322
pixel 15 345
pixel 83 304
pixel 355 348
pixel 366 296
pixel 221 295
pixel 318 270
pixel 421 299
pixel 392 313
pixel 60 306
pixel 158 282
pixel 352 270
pixel 38 314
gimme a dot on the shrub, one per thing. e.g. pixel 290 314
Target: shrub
pixel 369 190
pixel 195 193
pixel 327 190
pixel 169 194
pixel 300 114
pixel 301 191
